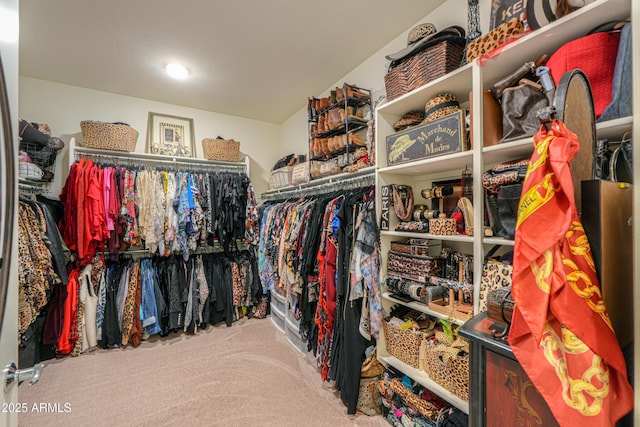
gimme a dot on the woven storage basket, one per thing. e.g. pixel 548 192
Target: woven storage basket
pixel 108 136
pixel 422 68
pixel 446 366
pixel 403 345
pixel 224 150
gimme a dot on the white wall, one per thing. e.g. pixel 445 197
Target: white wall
pixel 63 107
pixel 370 74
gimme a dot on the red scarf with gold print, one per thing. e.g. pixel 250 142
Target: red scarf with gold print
pixel 561 332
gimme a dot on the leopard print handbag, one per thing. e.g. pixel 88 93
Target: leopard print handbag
pixel 495 275
pixel 494 38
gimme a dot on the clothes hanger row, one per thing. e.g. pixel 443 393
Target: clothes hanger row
pixel 203 249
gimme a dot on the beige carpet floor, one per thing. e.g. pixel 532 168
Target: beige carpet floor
pixel 244 375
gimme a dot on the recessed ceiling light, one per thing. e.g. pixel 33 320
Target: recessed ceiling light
pixel 177 71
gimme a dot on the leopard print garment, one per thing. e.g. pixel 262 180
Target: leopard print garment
pixel 129 303
pixel 203 287
pixel 97 267
pixel 77 346
pixel 35 271
pixel 238 287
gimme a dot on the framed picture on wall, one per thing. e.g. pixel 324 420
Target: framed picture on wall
pixel 170 135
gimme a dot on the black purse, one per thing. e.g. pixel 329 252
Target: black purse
pixel 613 160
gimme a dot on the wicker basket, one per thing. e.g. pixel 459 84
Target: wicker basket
pixel 403 345
pixel 224 150
pixel 422 68
pixel 108 136
pixel 446 365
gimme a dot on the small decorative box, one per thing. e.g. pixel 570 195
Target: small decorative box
pixel 442 226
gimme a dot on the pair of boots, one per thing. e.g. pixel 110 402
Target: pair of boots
pixel 351 91
pixel 315 106
pixel 326 147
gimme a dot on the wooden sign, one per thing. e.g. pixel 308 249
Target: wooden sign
pixel 443 136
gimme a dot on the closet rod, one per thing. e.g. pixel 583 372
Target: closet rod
pixel 217 247
pixel 75 152
pixel 341 183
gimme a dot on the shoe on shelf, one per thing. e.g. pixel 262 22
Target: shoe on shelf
pixel 355 92
pixel 466 207
pixel 354 139
pixel 324 103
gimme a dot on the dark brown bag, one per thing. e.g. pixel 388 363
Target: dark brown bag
pixel 520 105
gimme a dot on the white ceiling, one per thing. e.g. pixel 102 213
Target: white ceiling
pixel 258 59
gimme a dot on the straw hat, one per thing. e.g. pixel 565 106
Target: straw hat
pixel 412 118
pixel 439 106
pixel 419 32
pixel 425 39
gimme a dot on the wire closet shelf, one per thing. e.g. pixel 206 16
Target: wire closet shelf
pixel 155 160
pixel 362 178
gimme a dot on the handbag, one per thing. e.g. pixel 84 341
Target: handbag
pixel 369 398
pixel 613 160
pixel 510 172
pixel 491 119
pixel 520 105
pixel 621 90
pixel 595 54
pixel 495 274
pixel 494 39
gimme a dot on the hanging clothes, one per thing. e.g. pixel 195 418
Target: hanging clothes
pixel 318 251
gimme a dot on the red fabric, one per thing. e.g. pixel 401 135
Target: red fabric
pixel 561 332
pixel 94 215
pixel 69 334
pixel 68 198
pixel 331 258
pixel 80 210
pixel 594 54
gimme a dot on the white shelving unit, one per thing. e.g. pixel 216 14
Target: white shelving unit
pixel 422 378
pixel 477 77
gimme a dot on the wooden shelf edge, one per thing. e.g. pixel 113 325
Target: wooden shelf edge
pixel 422 378
pixel 425 163
pixel 456 238
pixel 423 308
